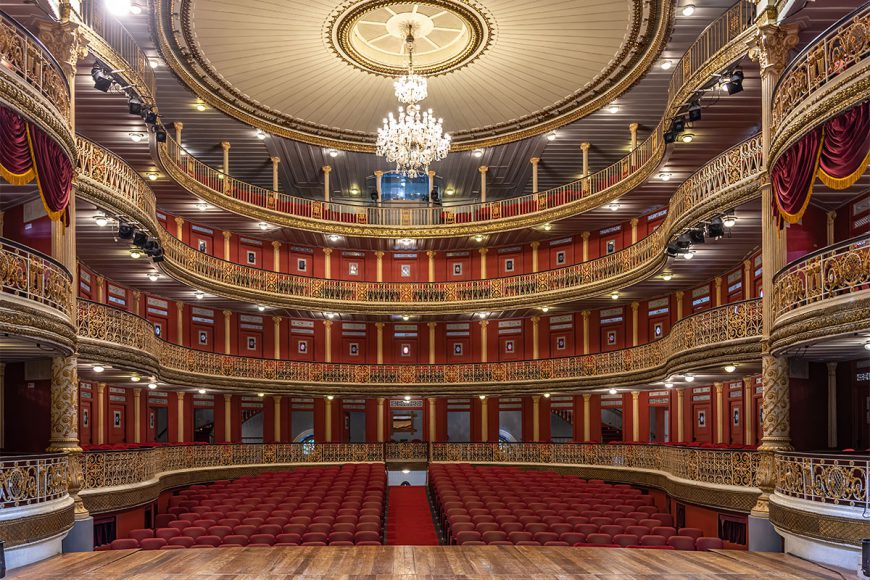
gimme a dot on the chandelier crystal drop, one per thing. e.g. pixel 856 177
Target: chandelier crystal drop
pixel 413 138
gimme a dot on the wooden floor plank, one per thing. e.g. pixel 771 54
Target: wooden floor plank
pixel 419 562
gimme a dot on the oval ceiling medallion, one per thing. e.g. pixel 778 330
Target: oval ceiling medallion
pixel 371 35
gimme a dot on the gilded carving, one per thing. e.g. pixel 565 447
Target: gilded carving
pixel 776 404
pixel 64 404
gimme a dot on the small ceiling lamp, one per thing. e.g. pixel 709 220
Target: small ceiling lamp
pixel 688 9
pixel 667 64
pixel 665 176
pixel 135 378
pixel 332 153
pixel 546 395
pixel 612 391
pixel 261 395
pixel 551 136
pixel 330 315
pixel 202 206
pixel 406 317
pixel 263 226
pixel 261 307
pixel 200 106
pixel 153 276
pixel 136 137
pixel 687 137
pixel 477 153
pixel 478 238
pixel 667 276
pixel 152 176
pixel 333 237
pixel 688 255
pixel 329 397
pixel 545 309
pixel 690 378
pixel 547 227
pixel 729 221
pixel 613 108
pixel 669 385
pixel 135 253
pixel 98 368
pixel 199 294
pixel 407 397
pixel 730 368
pixel 101 220
pixel 482 397
pixel 614 295
pixel 152 386
pixel 201 391
pixel 261 135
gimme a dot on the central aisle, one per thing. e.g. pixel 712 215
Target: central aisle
pixel 409 519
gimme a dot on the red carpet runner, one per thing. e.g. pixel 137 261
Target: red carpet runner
pixel 409 520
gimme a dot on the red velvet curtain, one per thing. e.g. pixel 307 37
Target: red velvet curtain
pixel 846 148
pixel 27 153
pixel 793 174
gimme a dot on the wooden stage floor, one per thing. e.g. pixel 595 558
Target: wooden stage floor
pixel 419 562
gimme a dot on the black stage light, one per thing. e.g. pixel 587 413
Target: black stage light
pixel 125 231
pixel 673 250
pixel 102 80
pixel 158 256
pixel 670 136
pixel 716 229
pixel 679 125
pixel 160 134
pixel 683 242
pixel 148 115
pixel 151 246
pixel 374 195
pixel 695 111
pixel 735 82
pixel 435 195
pixel 135 105
pixel 139 239
pixel 696 235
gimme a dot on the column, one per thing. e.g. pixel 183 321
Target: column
pixel 179 227
pixel 65 405
pixel 276 256
pixel 484 421
pixel 276 422
pixel 634 323
pixel 327 263
pixel 137 415
pixel 536 352
pixel 681 437
pixel 328 422
pixel 101 284
pixel 632 129
pixel 179 322
pixel 483 340
pixel 534 161
pixel 536 418
pixel 482 252
pixel 584 147
pixel 830 231
pixel 275 162
pixel 747 279
pixel 379 266
pixel 433 418
pixel 227 236
pixel 483 169
pixel 720 413
pixel 276 334
pixel 432 326
pixel 228 317
pixel 137 302
pixel 101 412
pixel 585 315
pixel 379 327
pixel 378 175
pixel 587 417
pixel 380 420
pixel 327 340
pixel 635 416
pixel 431 174
pixel 180 415
pixel 633 223
pixel 431 255
pixel 832 405
pixel 178 127
pixel 535 245
pixel 228 417
pixel 679 298
pixel 717 291
pixel 326 171
pixel 225 145
pixel 585 237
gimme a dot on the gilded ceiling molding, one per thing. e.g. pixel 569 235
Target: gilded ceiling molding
pixel 651 22
pixel 718 336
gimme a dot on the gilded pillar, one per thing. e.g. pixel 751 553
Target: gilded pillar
pixel 832 405
pixel 180 415
pixel 432 326
pixel 2 401
pixel 536 418
pixel 483 252
pixel 327 340
pixel 228 417
pixel 720 413
pixel 433 420
pixel 634 323
pixel 634 222
pixel 65 405
pixel 483 341
pixel 328 422
pixel 535 245
pixel 775 428
pixel 101 286
pixel 327 263
pixel 585 237
pixel 276 423
pixel 483 169
pixel 326 171
pixel 747 279
pixel 228 318
pixel 137 415
pixel 748 412
pixel 536 352
pixel 380 420
pixel 717 291
pixel 179 227
pixel 830 230
pixel 179 322
pixel 679 298
pixel 276 334
pixel 431 174
pixel 101 411
pixel 584 147
pixel 681 436
pixel 276 256
pixel 585 315
pixel 587 417
pixel 378 177
pixel 227 236
pixel 431 255
pixel 137 302
pixel 635 415
pixel 379 266
pixel 275 162
pixel 484 421
pixel 225 145
pixel 632 129
pixel 534 161
pixel 379 327
pixel 178 127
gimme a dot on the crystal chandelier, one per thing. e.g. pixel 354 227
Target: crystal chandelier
pixel 413 139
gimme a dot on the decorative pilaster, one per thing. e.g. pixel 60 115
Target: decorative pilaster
pixel 585 315
pixel 536 353
pixel 225 145
pixel 378 179
pixel 179 322
pixel 832 405
pixel 585 237
pixel 748 412
pixel 632 130
pixel 276 423
pixel 380 423
pixel 432 326
pixel 535 245
pixel 483 169
pixel 65 405
pixel 484 421
pixel 720 413
pixel 326 171
pixel 678 295
pixel 180 415
pixel 327 263
pixel 433 420
pixel 228 324
pixel 584 148
pixel 534 161
pixel 137 415
pixel 681 437
pixel 179 227
pixel 137 302
pixel 101 285
pixel 327 340
pixel 747 279
pixel 536 418
pixel 327 428
pixel 379 266
pixel 717 291
pixel 227 235
pixel 275 162
pixel 276 256
pixel 482 252
pixel 484 357
pixel 228 417
pixel 430 254
pixel 276 335
pixel 830 231
pixel 634 222
pixel 587 417
pixel 379 329
pixel 635 415
pixel 67 43
pixel 634 323
pixel 431 175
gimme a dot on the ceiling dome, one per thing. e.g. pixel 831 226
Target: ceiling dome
pixel 323 73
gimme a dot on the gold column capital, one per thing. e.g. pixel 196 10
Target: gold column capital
pixel 483 323
pixel 179 306
pixel 179 221
pixel 432 324
pixel 634 307
pixel 379 325
pixel 379 254
pixel 535 244
pixel 587 396
pixel 635 395
pixel 431 173
pixel 326 169
pixel 535 320
pixel 483 169
pixel 584 146
pixel 227 235
pixel 632 127
pixel 482 251
pixel 225 145
pixel 772 42
pixel 227 314
pixel 634 222
pixel 276 244
pixel 327 251
pixel 178 126
pixel 379 173
pixel 275 160
pixel 180 395
pixel 584 235
pixel 276 320
pixel 535 160
pixel 431 253
pixel 585 314
pixel 679 294
pixel 101 387
pixel 228 398
pixel 327 324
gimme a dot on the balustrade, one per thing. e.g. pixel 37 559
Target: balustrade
pixel 33 276
pixel 32 479
pixel 830 478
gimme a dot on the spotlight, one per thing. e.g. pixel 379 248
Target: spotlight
pixel 436 195
pixel 614 295
pixel 137 137
pixel 695 111
pixel 139 238
pixel 98 368
pixel 200 106
pixel 670 136
pixel 125 231
pixel 678 125
pixel 135 10
pixel 102 80
pixel 373 194
pixel 157 257
pixel 688 9
pixel 687 138
pixel 551 136
pixel 332 153
pixel 730 368
pixel 734 84
pixel 160 134
pixel 406 317
pixel 729 221
pixel 153 276
pixel 263 226
pixel 612 391
pixel 261 135
pixel 135 105
pixel 683 242
pixel 261 307
pixel 690 378
pixel 135 378
pixel 151 246
pixel 613 108
pixel 101 220
pixel 148 115
pixel 199 294
pixel 152 386
pixel 716 228
pixel 478 153
pixel 135 253
pixel 201 391
pixel 696 235
pixel 667 276
pixel 666 64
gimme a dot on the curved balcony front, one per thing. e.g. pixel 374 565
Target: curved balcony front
pixel 827 77
pixel 727 181
pixel 35 297
pixel 719 45
pixel 722 335
pixel 33 83
pixel 822 295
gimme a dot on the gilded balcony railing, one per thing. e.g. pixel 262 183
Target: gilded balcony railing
pixel 826 59
pixel 834 479
pixel 33 276
pixel 32 479
pixel 839 270
pixel 113 43
pixel 408 451
pixel 24 57
pixel 102 469
pixel 737 467
pixel 722 326
pixel 725 180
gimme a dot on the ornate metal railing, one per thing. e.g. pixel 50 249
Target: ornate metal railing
pixel 723 326
pixel 101 469
pixel 833 479
pixel 32 479
pixel 727 179
pixel 23 56
pixel 716 466
pixel 34 276
pixel 214 186
pixel 834 52
pixel 837 270
pixel 411 451
pixel 114 44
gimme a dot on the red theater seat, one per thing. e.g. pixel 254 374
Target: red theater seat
pixel 213 541
pixel 705 544
pixel 125 544
pixel 653 541
pixel 681 542
pixel 183 541
pixel 625 539
pixel 691 532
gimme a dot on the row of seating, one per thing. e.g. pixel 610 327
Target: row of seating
pixel 313 506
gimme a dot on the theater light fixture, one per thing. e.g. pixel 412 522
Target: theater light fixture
pixel 332 153
pixel 261 395
pixel 329 315
pixel 152 386
pixel 135 378
pixel 407 397
pixel 101 220
pixel 729 221
pixel 119 7
pixel 666 64
pixel 551 136
pixel 98 368
pixel 202 206
pixel 406 471
pixel 263 226
pixel 669 385
pixel 200 106
pixel 449 191
pixel 690 378
pixel 201 391
pixel 867 345
pixel 153 276
pixel 667 276
pixel 612 391
pixel 102 79
pixel 546 395
pixel 545 309
pixel 547 227
pixel 478 153
pixel 614 295
pixel 406 317
pixel 478 238
pixel 135 253
pixel 261 135
pixel 687 138
pixel 333 237
pixel 613 206
pixel 688 9
pixel 261 307
pixel 482 397
pixel 482 314
pixel 137 137
pixel 613 108
pixel 329 397
pixel 199 294
pixel 665 176
pixel 730 368
pixel 152 176
pixel 688 255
